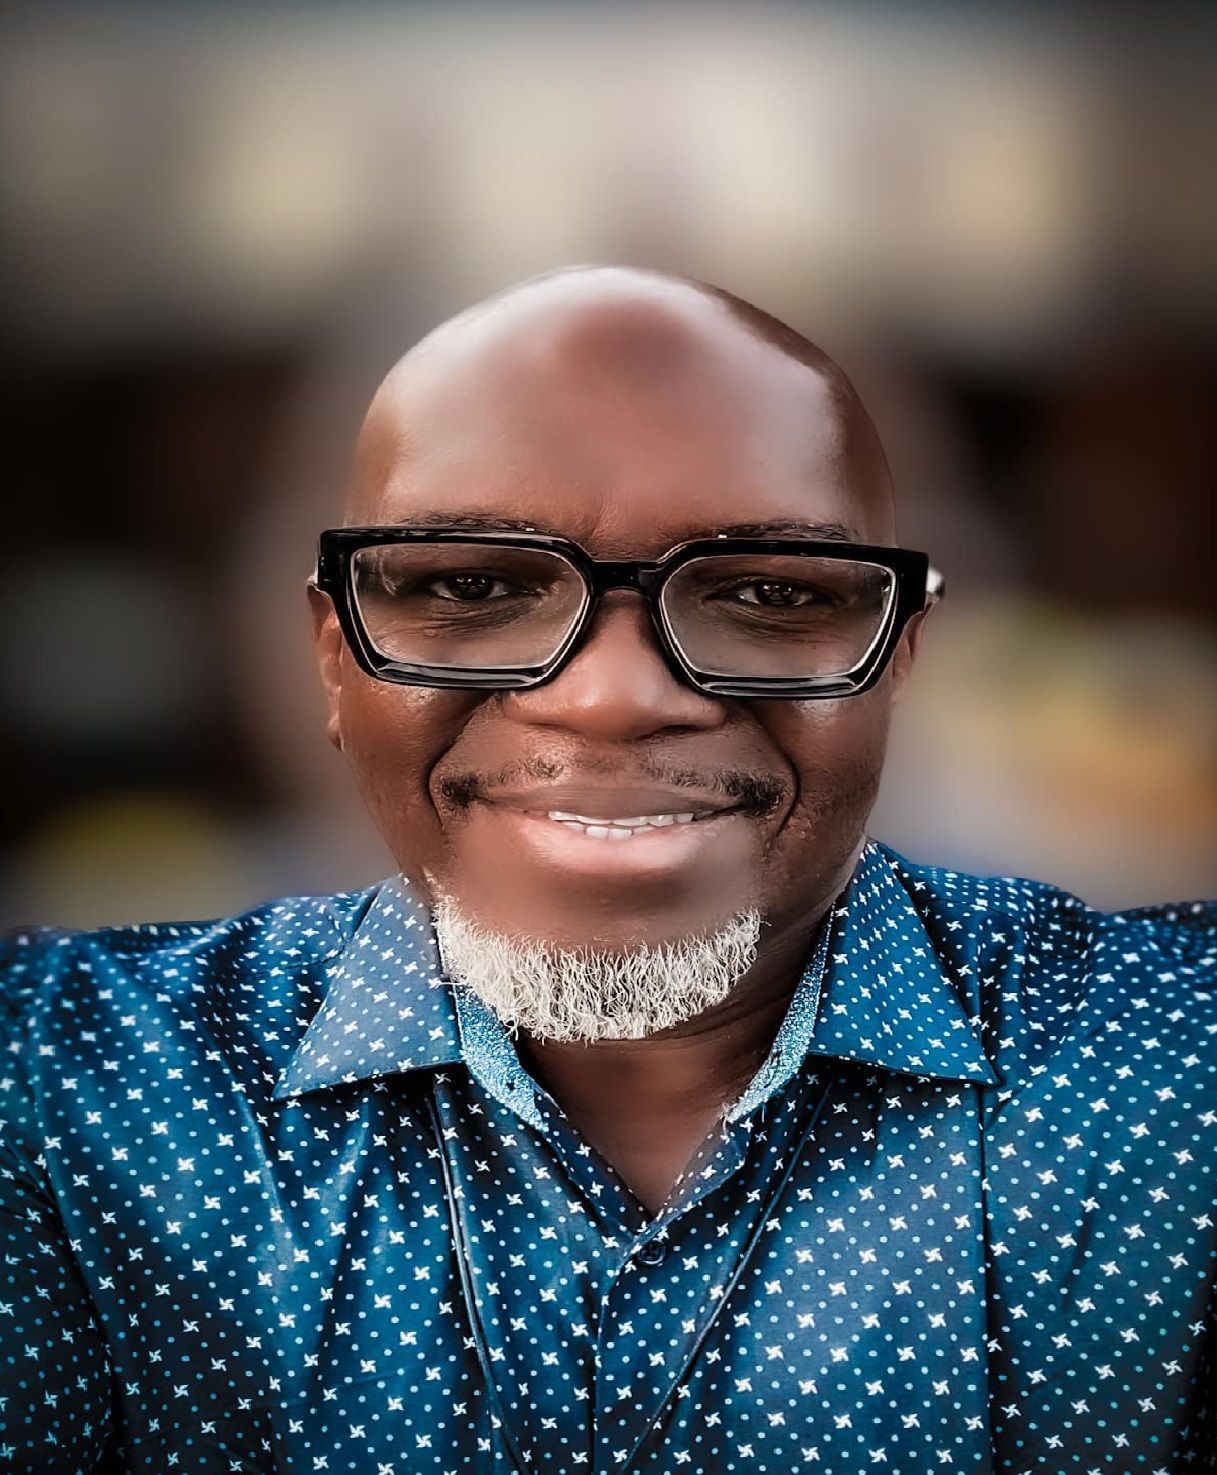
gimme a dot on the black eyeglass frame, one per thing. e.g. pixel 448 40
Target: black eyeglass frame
pixel 917 587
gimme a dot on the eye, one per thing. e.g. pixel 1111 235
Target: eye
pixel 777 594
pixel 469 588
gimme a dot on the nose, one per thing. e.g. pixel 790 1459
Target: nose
pixel 617 687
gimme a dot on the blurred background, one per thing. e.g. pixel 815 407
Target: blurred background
pixel 220 226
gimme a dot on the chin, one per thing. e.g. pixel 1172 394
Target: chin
pixel 540 882
pixel 596 923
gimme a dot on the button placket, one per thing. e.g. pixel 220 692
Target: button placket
pixel 522 1306
pixel 637 1376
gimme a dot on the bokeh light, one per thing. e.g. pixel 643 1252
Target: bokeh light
pixel 220 226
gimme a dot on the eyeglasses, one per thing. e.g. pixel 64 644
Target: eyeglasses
pixel 733 616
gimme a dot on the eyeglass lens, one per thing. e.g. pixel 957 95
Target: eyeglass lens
pixel 476 606
pixel 466 606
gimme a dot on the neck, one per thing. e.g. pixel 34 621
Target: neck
pixel 686 1072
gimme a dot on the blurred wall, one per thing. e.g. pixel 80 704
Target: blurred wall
pixel 219 229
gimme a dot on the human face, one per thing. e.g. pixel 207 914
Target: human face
pixel 563 433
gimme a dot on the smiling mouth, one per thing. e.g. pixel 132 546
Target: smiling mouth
pixel 577 835
pixel 630 827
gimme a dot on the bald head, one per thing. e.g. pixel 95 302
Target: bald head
pixel 619 340
pixel 629 414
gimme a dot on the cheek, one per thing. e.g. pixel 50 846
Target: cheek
pixel 392 737
pixel 836 750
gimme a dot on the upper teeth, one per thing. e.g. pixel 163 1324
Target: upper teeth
pixel 621 828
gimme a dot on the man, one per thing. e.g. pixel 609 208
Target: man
pixel 653 1118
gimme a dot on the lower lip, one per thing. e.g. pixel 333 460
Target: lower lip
pixel 650 850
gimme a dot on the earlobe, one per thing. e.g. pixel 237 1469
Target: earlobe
pixel 912 634
pixel 328 640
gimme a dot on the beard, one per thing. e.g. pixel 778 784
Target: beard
pixel 587 994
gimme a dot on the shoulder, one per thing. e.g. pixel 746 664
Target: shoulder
pixel 90 1020
pixel 47 973
pixel 977 903
pixel 1050 955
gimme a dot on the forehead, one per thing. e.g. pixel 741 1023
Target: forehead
pixel 626 425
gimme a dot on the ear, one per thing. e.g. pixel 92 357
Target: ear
pixel 329 643
pixel 906 652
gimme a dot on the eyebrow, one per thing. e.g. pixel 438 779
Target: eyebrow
pixel 780 527
pixel 483 522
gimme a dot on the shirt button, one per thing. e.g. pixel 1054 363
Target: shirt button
pixel 652 1253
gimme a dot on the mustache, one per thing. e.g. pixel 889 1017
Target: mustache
pixel 755 794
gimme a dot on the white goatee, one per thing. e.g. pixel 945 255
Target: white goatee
pixel 587 993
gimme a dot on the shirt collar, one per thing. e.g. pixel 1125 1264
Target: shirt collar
pixel 387 1007
pixel 888 998
pixel 875 993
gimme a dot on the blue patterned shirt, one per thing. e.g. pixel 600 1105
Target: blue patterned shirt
pixel 276 1197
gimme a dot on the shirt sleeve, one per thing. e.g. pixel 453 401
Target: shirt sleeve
pixel 54 1370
